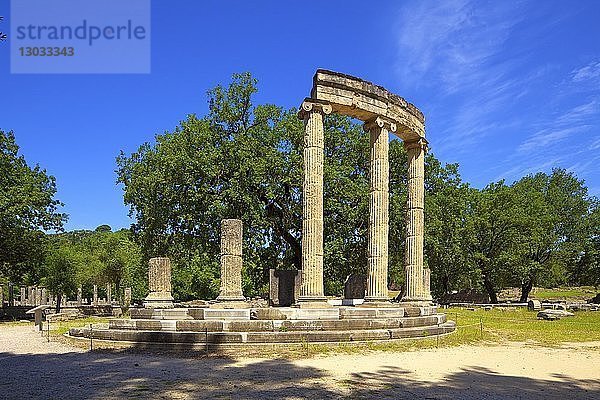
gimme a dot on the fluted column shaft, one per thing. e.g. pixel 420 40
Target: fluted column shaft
pixel 312 288
pixel 159 283
pixel 415 277
pixel 95 295
pixel 231 260
pixel 377 251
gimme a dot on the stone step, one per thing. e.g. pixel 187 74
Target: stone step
pixel 226 314
pixel 275 325
pixel 345 302
pixel 257 338
pixel 160 313
pixel 281 313
pixel 293 313
pixel 362 313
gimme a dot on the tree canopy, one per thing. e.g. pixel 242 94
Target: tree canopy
pixel 27 208
pixel 244 160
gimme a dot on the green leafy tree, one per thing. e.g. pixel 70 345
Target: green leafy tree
pixel 491 228
pixel 106 258
pixel 553 213
pixel 63 262
pixel 445 240
pixel 586 271
pixel 27 206
pixel 245 161
pixel 103 228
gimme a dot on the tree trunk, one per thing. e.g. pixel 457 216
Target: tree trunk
pixel 489 288
pixel 525 290
pixel 274 211
pixel 58 301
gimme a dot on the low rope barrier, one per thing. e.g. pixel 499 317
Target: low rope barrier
pixel 467 326
pixel 529 320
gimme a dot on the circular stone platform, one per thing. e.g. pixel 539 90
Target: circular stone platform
pixel 217 329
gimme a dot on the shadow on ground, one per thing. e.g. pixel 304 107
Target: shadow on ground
pixel 470 383
pixel 127 374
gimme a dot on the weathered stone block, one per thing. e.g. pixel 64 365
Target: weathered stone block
pixel 127 298
pixel 269 313
pixel 200 326
pixel 141 313
pixel 231 237
pixel 196 313
pixel 284 287
pixel 355 286
pixel 231 261
pixel 159 284
pixel 361 313
pixel 248 326
pixel 174 314
pixel 534 305
pixel 148 324
pixel 311 313
pixel 216 313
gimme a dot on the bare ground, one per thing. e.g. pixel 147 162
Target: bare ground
pixel 31 368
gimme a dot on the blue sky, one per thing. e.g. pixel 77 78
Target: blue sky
pixel 508 88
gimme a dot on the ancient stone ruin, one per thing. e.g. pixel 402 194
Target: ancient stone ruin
pixel 159 284
pixel 231 261
pixel 383 113
pixel 303 313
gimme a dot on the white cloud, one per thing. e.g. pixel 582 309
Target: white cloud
pixel 574 121
pixel 456 49
pixel 446 43
pixel 586 73
pixel 595 144
pixel 549 136
pixel 496 99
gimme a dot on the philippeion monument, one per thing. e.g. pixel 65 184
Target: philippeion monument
pixel 383 113
pixel 230 322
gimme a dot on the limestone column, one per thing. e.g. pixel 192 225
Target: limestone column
pixel 11 299
pixel 231 261
pixel 1 296
pixel 377 250
pixel 30 296
pixel 22 297
pixel 44 299
pixel 127 297
pixel 159 283
pixel 415 278
pixel 312 201
pixel 108 293
pixel 95 298
pixel 79 296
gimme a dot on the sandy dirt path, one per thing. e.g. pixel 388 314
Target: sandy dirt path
pixel 31 368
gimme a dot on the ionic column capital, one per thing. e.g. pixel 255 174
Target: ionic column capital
pixel 310 105
pixel 415 144
pixel 379 123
